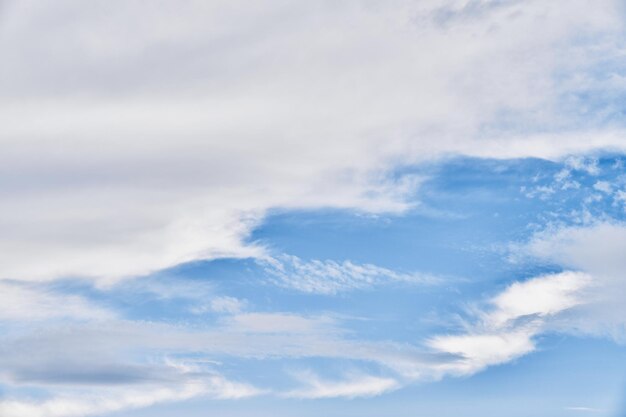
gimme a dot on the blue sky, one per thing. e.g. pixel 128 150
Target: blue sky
pixel 408 208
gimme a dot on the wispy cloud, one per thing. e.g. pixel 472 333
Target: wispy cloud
pixel 331 277
pixel 586 409
pixel 222 304
pixel 501 332
pixel 505 329
pixel 351 387
pixel 21 301
pixel 111 400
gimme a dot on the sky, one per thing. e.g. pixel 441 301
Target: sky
pixel 407 208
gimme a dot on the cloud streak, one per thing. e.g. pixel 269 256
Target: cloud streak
pixel 506 329
pixel 331 277
pixel 352 387
pixel 24 302
pixel 107 401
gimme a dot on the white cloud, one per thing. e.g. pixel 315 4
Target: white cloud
pixel 351 387
pixel 540 296
pixel 86 369
pixel 506 328
pixel 198 294
pixel 20 302
pixel 503 331
pixel 598 250
pixel 580 163
pixel 227 305
pixel 223 304
pixel 479 350
pixel 111 400
pixel 331 277
pixel 620 196
pixel 279 323
pixel 166 287
pixel 145 143
pixel 161 135
pixel 67 362
pixel 603 186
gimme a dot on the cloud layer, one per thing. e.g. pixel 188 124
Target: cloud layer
pixel 126 154
pixel 136 138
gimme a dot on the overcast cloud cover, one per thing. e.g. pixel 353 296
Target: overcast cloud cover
pixel 352 207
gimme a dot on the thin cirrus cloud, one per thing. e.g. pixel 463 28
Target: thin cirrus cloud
pixel 331 277
pixel 501 331
pixel 107 401
pixel 352 386
pixel 24 302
